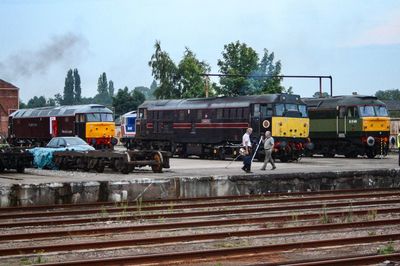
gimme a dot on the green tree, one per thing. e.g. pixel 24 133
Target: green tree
pixel 103 96
pixel 191 83
pixel 165 73
pixel 36 102
pixel 68 98
pixel 111 88
pixel 153 87
pixel 393 94
pixel 77 87
pixel 125 101
pixel 317 94
pixel 237 59
pixel 268 69
pixel 22 105
pixel 144 90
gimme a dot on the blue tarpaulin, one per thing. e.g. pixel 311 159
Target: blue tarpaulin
pixel 43 157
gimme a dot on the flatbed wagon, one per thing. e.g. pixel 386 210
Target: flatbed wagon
pixel 14 158
pixel 120 161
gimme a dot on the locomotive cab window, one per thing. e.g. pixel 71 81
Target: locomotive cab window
pixel 342 112
pixel 352 112
pixel 279 109
pixel 367 110
pixel 381 111
pixel 303 110
pixel 266 110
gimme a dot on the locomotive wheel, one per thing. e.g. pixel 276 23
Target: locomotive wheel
pixel 99 168
pixel 157 168
pixel 222 154
pixel 1 167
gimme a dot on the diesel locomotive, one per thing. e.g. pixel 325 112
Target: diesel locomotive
pixel 349 125
pixel 94 123
pixel 213 127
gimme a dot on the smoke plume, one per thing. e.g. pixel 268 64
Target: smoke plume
pixel 59 49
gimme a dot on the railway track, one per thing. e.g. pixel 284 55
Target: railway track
pixel 283 229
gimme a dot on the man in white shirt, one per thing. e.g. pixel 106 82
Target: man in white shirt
pixel 246 143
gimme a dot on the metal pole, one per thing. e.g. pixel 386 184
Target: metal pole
pixel 320 87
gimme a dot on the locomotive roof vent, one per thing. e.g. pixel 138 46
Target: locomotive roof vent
pixel 95 106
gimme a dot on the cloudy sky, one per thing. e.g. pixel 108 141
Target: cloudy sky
pixel 356 42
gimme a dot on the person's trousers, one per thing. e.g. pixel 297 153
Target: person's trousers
pixel 399 156
pixel 268 159
pixel 247 162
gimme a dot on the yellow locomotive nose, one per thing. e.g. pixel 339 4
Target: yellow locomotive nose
pixel 375 123
pixel 290 127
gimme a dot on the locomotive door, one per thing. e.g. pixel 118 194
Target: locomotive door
pixel 341 122
pixel 80 126
pixel 255 119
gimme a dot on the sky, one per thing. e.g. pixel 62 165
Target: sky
pixel 357 42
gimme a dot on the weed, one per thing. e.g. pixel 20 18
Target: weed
pixel 171 206
pixel 25 261
pixel 295 217
pixel 371 233
pixel 39 259
pixel 103 212
pixel 349 217
pixel 372 215
pixel 387 249
pixel 139 202
pixel 324 217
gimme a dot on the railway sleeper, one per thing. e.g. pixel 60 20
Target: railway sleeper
pixel 123 162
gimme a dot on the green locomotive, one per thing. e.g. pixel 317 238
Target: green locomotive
pixel 349 125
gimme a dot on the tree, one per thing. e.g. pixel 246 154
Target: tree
pixel 111 88
pixel 58 99
pixel 165 73
pixel 22 105
pixel 267 68
pixel 77 87
pixel 40 101
pixel 393 94
pixel 68 98
pixel 125 101
pixel 317 94
pixel 144 90
pixel 103 96
pixel 102 85
pixel 237 59
pixel 191 83
pixel 153 87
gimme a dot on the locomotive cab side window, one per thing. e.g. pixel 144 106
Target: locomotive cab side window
pixel 352 112
pixel 303 110
pixel 266 110
pixel 342 112
pixel 279 109
pixel 381 111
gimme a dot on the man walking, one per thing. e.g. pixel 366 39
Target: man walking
pixel 398 145
pixel 246 143
pixel 268 146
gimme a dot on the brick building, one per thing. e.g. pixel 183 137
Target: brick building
pixel 9 101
